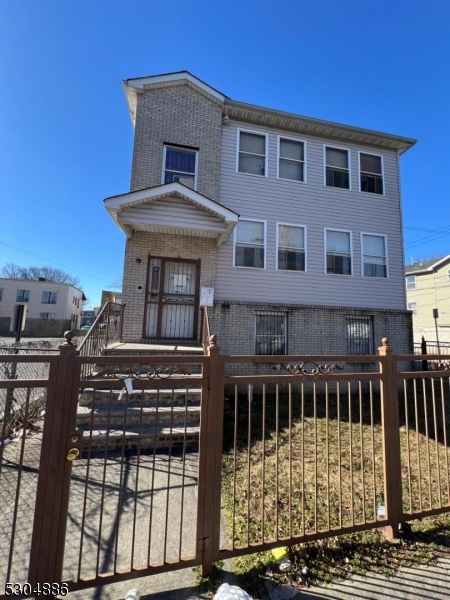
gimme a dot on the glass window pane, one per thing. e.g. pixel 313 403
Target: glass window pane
pixel 253 143
pixel 249 257
pixel 291 170
pixel 338 264
pixel 372 269
pixel 291 149
pixel 338 179
pixel 291 237
pixel 338 241
pixel 291 261
pixel 337 158
pixel 374 245
pixel 250 232
pixel 187 180
pixel 180 160
pixel 250 163
pixel 370 163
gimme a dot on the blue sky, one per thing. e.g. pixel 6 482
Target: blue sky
pixel 66 136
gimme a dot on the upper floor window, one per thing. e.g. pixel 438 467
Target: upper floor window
pixel 371 173
pixel 49 297
pixel 23 296
pixel 1 294
pixel 338 252
pixel 291 247
pixel 374 255
pixel 411 282
pixel 180 165
pixel 249 244
pixel 448 276
pixel 252 153
pixel 337 167
pixel 291 159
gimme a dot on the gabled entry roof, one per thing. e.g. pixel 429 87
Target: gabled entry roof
pixel 171 208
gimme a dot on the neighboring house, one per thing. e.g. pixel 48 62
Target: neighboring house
pixel 427 288
pixel 88 316
pixel 52 308
pixel 288 227
pixel 107 296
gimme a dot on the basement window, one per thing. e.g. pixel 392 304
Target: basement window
pixel 270 333
pixel 360 335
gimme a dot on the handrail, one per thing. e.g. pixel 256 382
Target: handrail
pixel 206 329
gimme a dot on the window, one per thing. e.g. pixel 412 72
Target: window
pixel 338 250
pixel 47 315
pixel 371 173
pixel 270 336
pixel 180 165
pixel 291 247
pixel 448 276
pixel 23 296
pixel 291 159
pixel 249 240
pixel 49 297
pixel 374 255
pixel 337 169
pixel 360 335
pixel 411 282
pixel 413 306
pixel 1 294
pixel 252 153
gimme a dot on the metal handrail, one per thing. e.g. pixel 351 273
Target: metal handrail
pixel 206 329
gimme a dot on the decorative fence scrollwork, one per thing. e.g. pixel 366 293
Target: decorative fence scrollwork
pixel 301 369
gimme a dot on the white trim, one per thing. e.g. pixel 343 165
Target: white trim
pixel 413 309
pixel 325 229
pixel 285 137
pixel 141 82
pixel 382 172
pixel 362 234
pixel 305 248
pixel 266 160
pixel 349 154
pixel 196 152
pixel 265 243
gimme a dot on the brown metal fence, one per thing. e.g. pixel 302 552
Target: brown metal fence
pixel 150 466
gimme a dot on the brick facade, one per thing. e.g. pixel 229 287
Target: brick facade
pixel 135 274
pixel 177 115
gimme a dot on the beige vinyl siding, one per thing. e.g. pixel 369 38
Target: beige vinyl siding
pixel 318 207
pixel 432 291
pixel 172 212
pixel 63 308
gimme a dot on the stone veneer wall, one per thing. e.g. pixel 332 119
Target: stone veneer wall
pixel 182 116
pixel 141 246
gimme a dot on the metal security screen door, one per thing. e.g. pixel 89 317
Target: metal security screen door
pixel 172 299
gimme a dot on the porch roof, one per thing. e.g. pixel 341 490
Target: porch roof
pixel 171 208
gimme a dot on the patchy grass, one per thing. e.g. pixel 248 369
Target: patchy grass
pixel 304 462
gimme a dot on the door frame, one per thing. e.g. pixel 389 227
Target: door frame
pixel 147 302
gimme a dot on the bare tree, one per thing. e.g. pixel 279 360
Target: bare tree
pixel 33 273
pixel 116 284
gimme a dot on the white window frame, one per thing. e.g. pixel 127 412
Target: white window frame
pixel 363 233
pixel 278 223
pixel 49 317
pixel 273 313
pixel 325 251
pixel 196 152
pixel 415 283
pixel 49 298
pixel 349 154
pixel 448 274
pixel 23 299
pixel 291 139
pixel 1 294
pixel 265 244
pixel 415 311
pixel 238 142
pixel 382 172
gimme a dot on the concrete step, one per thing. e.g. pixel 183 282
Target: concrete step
pixel 148 415
pixel 152 397
pixel 145 438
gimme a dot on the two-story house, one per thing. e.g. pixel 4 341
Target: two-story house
pixel 428 288
pixel 289 227
pixel 52 308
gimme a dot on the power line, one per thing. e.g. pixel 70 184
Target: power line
pixel 54 262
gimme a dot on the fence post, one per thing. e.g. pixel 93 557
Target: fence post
pixel 210 467
pixel 52 496
pixel 424 351
pixel 391 441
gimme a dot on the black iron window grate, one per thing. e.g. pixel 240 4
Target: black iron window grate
pixel 360 335
pixel 270 333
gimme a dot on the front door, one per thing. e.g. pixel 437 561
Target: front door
pixel 172 299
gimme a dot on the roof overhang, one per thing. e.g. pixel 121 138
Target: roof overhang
pixel 417 269
pixel 328 129
pixel 115 205
pixel 134 87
